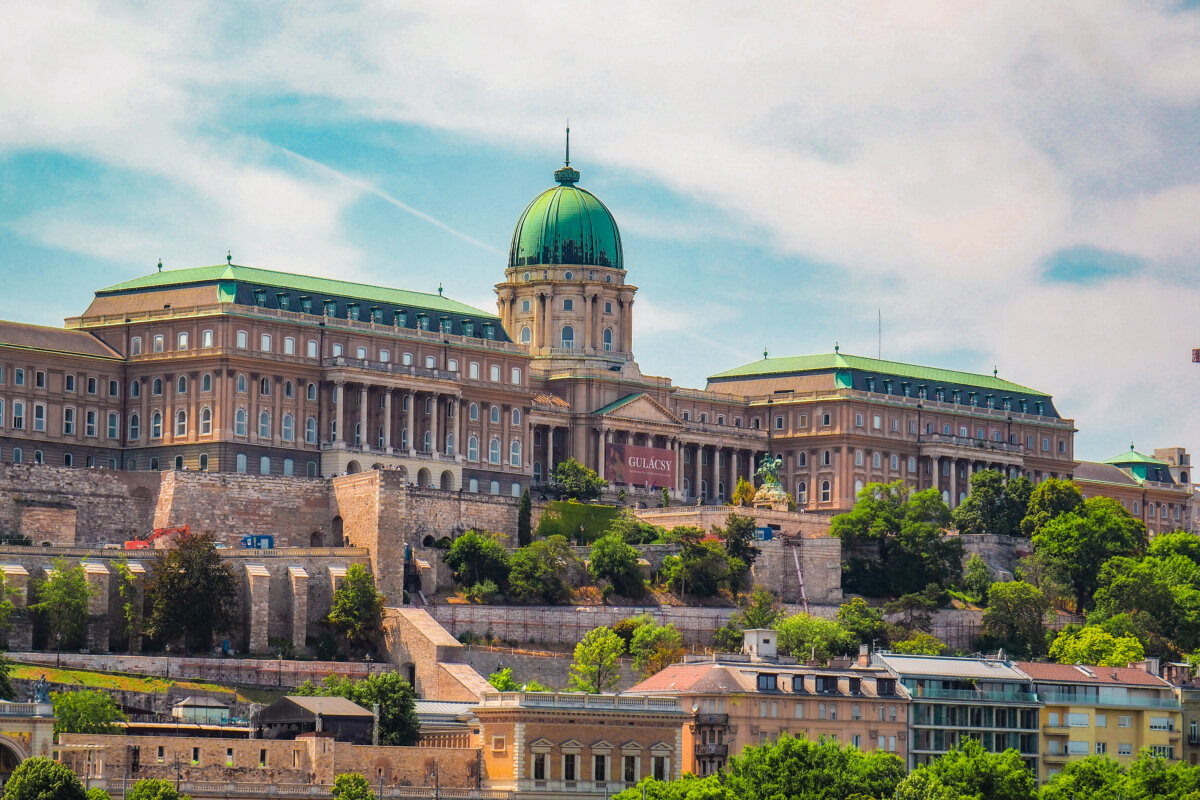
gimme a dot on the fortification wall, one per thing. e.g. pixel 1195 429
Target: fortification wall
pixel 549 669
pixel 1002 553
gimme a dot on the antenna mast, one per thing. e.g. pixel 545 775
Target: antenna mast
pixel 568 160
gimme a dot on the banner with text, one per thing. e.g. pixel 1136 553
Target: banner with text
pixel 639 466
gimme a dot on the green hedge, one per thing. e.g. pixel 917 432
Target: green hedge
pixel 564 517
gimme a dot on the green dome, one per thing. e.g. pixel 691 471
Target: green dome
pixel 566 225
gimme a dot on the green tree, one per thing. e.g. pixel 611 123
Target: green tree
pixel 863 621
pixel 477 557
pixel 699 570
pixel 919 643
pixel 738 537
pixel 1094 778
pixel 398 724
pixel 573 481
pixel 969 771
pixel 613 560
pixel 96 793
pixel 6 688
pixel 40 778
pixel 915 611
pixel 502 680
pixel 977 578
pixel 666 497
pixel 761 612
pixel 894 541
pixel 800 768
pixel 1047 501
pixel 1016 618
pixel 85 711
pixel 689 787
pixel 1155 599
pixel 154 789
pixel 525 519
pixel 357 609
pixel 133 604
pixel 743 493
pixel 191 592
pixel 805 636
pixel 540 571
pixel 1075 544
pixel 63 602
pixel 655 647
pixel 596 668
pixel 633 530
pixel 993 505
pixel 351 786
pixel 1094 645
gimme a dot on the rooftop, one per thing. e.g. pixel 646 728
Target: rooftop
pixel 1092 675
pixel 1132 456
pixel 950 667
pixel 568 701
pixel 835 361
pixel 56 340
pixel 328 706
pixel 287 280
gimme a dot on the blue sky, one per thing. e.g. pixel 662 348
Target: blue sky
pixel 1012 185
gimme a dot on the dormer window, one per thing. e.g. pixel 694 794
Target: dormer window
pixel 423 321
pixel 260 298
pixel 306 305
pixel 445 325
pixel 885 686
pixel 401 318
pixel 468 327
pixel 331 308
pixel 904 389
pixel 489 331
pixel 352 311
pixel 941 395
pixel 377 315
pixel 856 686
pixel 284 300
pixel 768 682
pixel 827 684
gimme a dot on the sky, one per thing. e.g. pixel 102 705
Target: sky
pixel 1011 185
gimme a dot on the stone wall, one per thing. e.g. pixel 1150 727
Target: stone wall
pixel 1002 553
pixel 63 506
pixel 308 759
pixel 547 668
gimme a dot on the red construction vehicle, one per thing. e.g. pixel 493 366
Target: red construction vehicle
pixel 148 542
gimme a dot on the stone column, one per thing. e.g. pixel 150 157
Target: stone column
pixel 627 327
pixel 339 406
pixel 715 472
pixel 549 467
pixel 538 315
pixel 412 426
pixel 457 429
pixel 299 579
pixel 387 419
pixel 259 596
pixel 587 323
pixel 20 634
pixel 97 622
pixel 678 463
pixel 953 482
pixel 435 412
pixel 364 418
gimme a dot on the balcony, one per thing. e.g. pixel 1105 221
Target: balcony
pixel 712 751
pixel 975 695
pixel 712 720
pixel 1163 701
pixel 980 445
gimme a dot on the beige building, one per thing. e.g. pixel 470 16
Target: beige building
pixel 1107 711
pixel 735 702
pixel 1154 489
pixel 237 369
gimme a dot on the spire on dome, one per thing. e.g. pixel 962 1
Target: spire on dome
pixel 566 175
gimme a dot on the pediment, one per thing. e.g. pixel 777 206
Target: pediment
pixel 640 408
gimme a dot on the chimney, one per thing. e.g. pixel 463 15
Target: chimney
pixel 759 644
pixel 864 655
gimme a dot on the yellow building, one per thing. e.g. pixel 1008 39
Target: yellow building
pixel 1112 711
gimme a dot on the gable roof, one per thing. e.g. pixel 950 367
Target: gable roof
pixel 639 398
pixel 1071 673
pixel 288 280
pixel 1132 456
pixel 834 361
pixel 1100 472
pixel 54 340
pixel 326 706
pixel 699 678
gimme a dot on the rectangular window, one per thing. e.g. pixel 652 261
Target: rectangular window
pixel 18 415
pixel 660 768
pixel 39 379
pixel 114 389
pixel 629 769
pixel 803 421
pixel 18 377
pixel 1161 724
pixel 1077 748
pixel 1123 721
pixel 91 385
pixel 113 425
pixel 312 348
pixel 229 757
pixel 262 757
pixel 1124 749
pixel 569 767
pixel 39 417
pixel 135 346
pixel 68 421
pixel 1078 721
pixel 206 338
pixel 1101 720
pixel 289 346
pixel 516 376
pixel 89 425
pixel 494 373
pixel 539 766
pixel 1101 748
pixel 195 755
pixel 68 383
pixel 498 744
pixel 264 343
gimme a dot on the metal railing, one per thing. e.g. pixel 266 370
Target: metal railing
pixel 1123 701
pixel 970 442
pixel 712 719
pixel 718 750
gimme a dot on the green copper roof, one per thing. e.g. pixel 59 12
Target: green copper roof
pixel 301 283
pixel 1132 456
pixel 566 225
pixel 838 361
pixel 615 404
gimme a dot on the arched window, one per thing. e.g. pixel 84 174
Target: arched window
pixel 135 425
pixel 516 417
pixel 427 441
pixel 876 460
pixel 156 387
pixel 264 387
pixel 203 462
pixel 135 388
pixel 206 382
pixel 358 432
pixel 494 451
pixel 946 496
pixel 312 469
pixel 802 458
pixel 449 444
pixel 156 425
pixel 241 383
pixel 858 458
pixel 239 423
pixel 181 385
pixel 68 460
pixel 404 438
pixel 289 467
pixel 824 491
pixel 858 487
pixel 495 415
pixel 608 339
pixel 895 462
pixel 289 389
pixel 312 391
pixel 473 448
pixel 310 430
pixel 264 465
pixel 205 421
pixel 802 492
pixel 289 428
pixel 537 472
pixel 37 456
pixel 181 422
pixel 428 406
pixel 264 424
pixel 514 454
pixel 568 337
pixel 473 412
pixel 826 458
pixel 154 463
pixel 178 462
pixel 526 336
